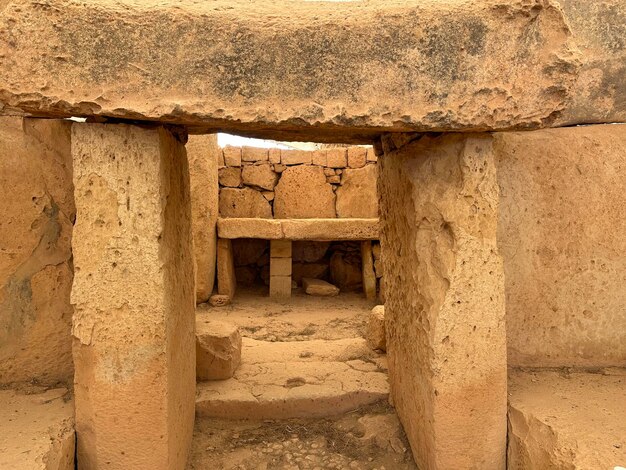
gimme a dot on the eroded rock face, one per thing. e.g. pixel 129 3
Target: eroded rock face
pixel 391 66
pixel 259 176
pixel 245 202
pixel 302 193
pixel 36 216
pixel 357 195
pixel 218 349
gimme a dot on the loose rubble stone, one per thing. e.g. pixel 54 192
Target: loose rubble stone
pixel 219 300
pixel 376 328
pixel 246 203
pixel 303 192
pixel 357 196
pixel 230 176
pixel 260 176
pixel 319 287
pixel 218 349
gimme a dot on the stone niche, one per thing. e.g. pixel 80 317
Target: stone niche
pixel 36 272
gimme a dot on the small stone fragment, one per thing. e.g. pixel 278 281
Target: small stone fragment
pixel 376 328
pixel 319 287
pixel 218 349
pixel 219 300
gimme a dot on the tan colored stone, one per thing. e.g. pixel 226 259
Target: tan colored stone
pixel 357 157
pixel 274 155
pixel 218 349
pixel 280 249
pixel 268 195
pixel 376 251
pixel 347 276
pixel 279 168
pixel 280 266
pixel 329 172
pixel 267 229
pixel 330 229
pixel 295 157
pixel 219 300
pixel 232 156
pixel 357 196
pixel 303 192
pixel 260 176
pixel 133 297
pixel 226 280
pixel 371 156
pixel 376 328
pixel 202 153
pixel 318 157
pixel 367 270
pixel 309 251
pixel 319 287
pixel 311 270
pixel 333 179
pixel 561 223
pixel 446 72
pixel 245 202
pixel 337 157
pixel 280 287
pixel 254 154
pixel 447 365
pixel 378 268
pixel 230 176
pixel 36 217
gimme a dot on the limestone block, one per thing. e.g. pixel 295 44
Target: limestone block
pixel 357 157
pixel 295 157
pixel 260 176
pixel 245 202
pixel 330 229
pixel 378 268
pixel 36 216
pixel 336 179
pixel 280 249
pixel 367 270
pixel 371 156
pixel 329 172
pixel 337 157
pixel 268 195
pixel 232 156
pixel 376 328
pixel 249 228
pixel 280 266
pixel 226 279
pixel 202 153
pixel 220 159
pixel 254 154
pixel 346 275
pixel 309 251
pixel 357 196
pixel 280 287
pixel 319 287
pixel 447 364
pixel 279 168
pixel 303 192
pixel 376 251
pixel 230 176
pixel 219 300
pixel 218 349
pixel 311 270
pixel 274 155
pixel 318 157
pixel 133 296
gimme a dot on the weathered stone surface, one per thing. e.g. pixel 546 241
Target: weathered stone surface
pixel 444 302
pixel 295 157
pixel 226 279
pixel 280 266
pixel 337 157
pixel 133 297
pixel 36 216
pixel 448 65
pixel 232 156
pixel 218 349
pixel 571 420
pixel 219 300
pixel 357 157
pixel 330 229
pixel 280 287
pixel 344 274
pixel 202 153
pixel 260 176
pixel 357 196
pixel 245 202
pixel 267 229
pixel 254 154
pixel 367 270
pixel 303 192
pixel 319 287
pixel 309 252
pixel 274 155
pixel 37 430
pixel 318 157
pixel 281 249
pixel 312 270
pixel 376 328
pixel 248 251
pixel 560 231
pixel 230 176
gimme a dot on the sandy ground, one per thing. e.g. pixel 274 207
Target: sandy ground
pixel 302 318
pixel 369 438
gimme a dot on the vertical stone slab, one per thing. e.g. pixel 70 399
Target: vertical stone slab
pixel 280 269
pixel 367 269
pixel 133 292
pixel 226 279
pixel 203 154
pixel 445 300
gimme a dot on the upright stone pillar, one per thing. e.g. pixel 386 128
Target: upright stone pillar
pixel 444 310
pixel 133 327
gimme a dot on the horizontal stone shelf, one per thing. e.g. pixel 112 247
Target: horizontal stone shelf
pixel 299 229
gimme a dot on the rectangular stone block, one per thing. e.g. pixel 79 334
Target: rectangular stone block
pixel 280 287
pixel 337 158
pixel 274 155
pixel 318 157
pixel 280 266
pixel 295 157
pixel 280 249
pixel 254 154
pixel 232 156
pixel 133 292
pixel 367 267
pixel 357 157
pixel 226 279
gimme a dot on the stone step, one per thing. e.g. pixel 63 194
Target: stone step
pixel 297 379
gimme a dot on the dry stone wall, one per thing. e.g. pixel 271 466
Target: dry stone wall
pixel 298 184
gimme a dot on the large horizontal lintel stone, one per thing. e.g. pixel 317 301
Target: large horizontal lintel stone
pixel 299 229
pixel 317 71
